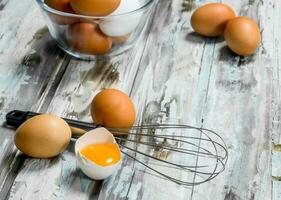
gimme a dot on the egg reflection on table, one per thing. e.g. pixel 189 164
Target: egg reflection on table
pixel 89 149
pixel 122 25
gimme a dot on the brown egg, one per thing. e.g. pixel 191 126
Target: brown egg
pixel 87 38
pixel 242 36
pixel 94 7
pixel 43 136
pixel 63 6
pixel 211 19
pixel 113 108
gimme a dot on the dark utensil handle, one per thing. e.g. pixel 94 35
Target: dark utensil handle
pixel 16 117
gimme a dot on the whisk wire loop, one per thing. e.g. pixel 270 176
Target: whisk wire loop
pixel 185 145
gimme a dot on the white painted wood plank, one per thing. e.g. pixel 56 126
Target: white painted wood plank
pixel 272 42
pixel 27 68
pixel 251 186
pixel 173 84
pixel 238 106
pixel 81 81
pixel 172 88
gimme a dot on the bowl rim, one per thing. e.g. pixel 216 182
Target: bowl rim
pixel 45 7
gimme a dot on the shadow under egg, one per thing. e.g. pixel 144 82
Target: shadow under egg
pixel 194 37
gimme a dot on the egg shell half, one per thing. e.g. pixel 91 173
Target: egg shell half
pixel 92 170
pixel 122 25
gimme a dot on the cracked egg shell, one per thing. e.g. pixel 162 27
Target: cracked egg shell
pixel 90 168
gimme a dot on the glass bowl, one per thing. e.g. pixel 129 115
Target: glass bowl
pixel 92 37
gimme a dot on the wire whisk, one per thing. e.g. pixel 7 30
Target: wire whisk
pixel 183 154
pixel 199 153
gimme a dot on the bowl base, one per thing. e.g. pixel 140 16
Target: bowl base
pixel 94 57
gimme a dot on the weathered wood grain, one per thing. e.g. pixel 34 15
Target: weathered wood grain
pixel 239 93
pixel 173 75
pixel 81 81
pixel 29 64
pixel 167 89
pixel 233 97
pixel 275 109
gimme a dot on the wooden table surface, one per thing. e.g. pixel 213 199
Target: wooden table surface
pixel 172 74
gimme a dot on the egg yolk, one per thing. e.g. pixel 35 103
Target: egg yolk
pixel 102 154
